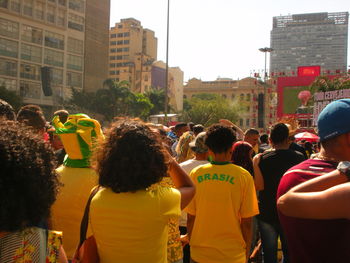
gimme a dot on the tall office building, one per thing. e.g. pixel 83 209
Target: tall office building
pixel 69 36
pixel 132 50
pixel 309 39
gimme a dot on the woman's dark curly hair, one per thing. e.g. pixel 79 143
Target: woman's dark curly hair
pixel 28 181
pixel 131 158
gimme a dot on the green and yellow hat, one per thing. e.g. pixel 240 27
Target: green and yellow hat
pixel 79 135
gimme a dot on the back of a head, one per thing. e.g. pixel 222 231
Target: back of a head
pixel 62 114
pixel 241 151
pixel 219 138
pixel 28 182
pixel 279 133
pixel 264 138
pixel 180 126
pixel 32 115
pixel 197 129
pixel 131 158
pixel 251 131
pixel 6 111
pixel 334 120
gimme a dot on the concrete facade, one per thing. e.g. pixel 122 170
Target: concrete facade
pixel 131 49
pixel 69 36
pixel 244 92
pixel 309 39
pixel 175 80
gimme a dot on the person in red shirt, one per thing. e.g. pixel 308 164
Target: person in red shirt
pixel 315 240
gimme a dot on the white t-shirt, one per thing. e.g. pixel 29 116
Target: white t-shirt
pixel 188 166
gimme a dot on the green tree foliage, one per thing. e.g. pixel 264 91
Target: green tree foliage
pixel 114 100
pixel 157 98
pixel 11 97
pixel 208 109
pixel 324 83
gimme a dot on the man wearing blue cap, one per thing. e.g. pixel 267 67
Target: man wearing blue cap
pixel 312 240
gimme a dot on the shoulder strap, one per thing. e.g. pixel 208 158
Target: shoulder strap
pixel 85 220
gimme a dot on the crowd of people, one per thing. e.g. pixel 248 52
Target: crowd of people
pixel 71 190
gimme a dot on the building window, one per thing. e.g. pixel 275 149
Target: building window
pixel 241 97
pixel 30 71
pixel 75 62
pixel 126 49
pixel 75 45
pixel 39 10
pixel 120 35
pixel 28 7
pixel 31 53
pixel 76 22
pixel 113 43
pixel 54 40
pixel 50 14
pixel 4 3
pixel 8 48
pixel 53 58
pixel 247 122
pixel 119 50
pixel 119 57
pixel 112 50
pixel 9 84
pixel 32 34
pixel 61 17
pixel 76 5
pixel 62 2
pixel 126 34
pixel 241 122
pixel 113 35
pixel 52 1
pixel 120 26
pixel 120 42
pixel 8 68
pixel 57 76
pixel 248 108
pixel 9 28
pixel 15 6
pixel 74 79
pixel 126 41
pixel 30 90
pixel 248 97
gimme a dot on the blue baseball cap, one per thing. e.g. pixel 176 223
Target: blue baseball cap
pixel 334 119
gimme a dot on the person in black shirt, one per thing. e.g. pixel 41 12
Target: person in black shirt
pixel 269 168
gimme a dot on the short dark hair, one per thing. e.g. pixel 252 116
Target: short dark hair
pixel 28 181
pixel 131 158
pixel 279 133
pixel 6 111
pixel 180 125
pixel 32 115
pixel 251 131
pixel 197 129
pixel 219 138
pixel 264 138
pixel 62 115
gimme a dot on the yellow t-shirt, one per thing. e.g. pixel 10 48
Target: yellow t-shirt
pixel 224 194
pixel 68 209
pixel 133 227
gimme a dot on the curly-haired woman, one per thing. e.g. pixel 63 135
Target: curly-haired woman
pixel 28 187
pixel 128 218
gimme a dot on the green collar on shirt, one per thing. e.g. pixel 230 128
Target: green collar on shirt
pixel 219 163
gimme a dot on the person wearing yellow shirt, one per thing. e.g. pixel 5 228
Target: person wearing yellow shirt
pixel 220 215
pixel 79 134
pixel 129 216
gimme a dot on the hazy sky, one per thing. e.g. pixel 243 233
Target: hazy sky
pixel 216 38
